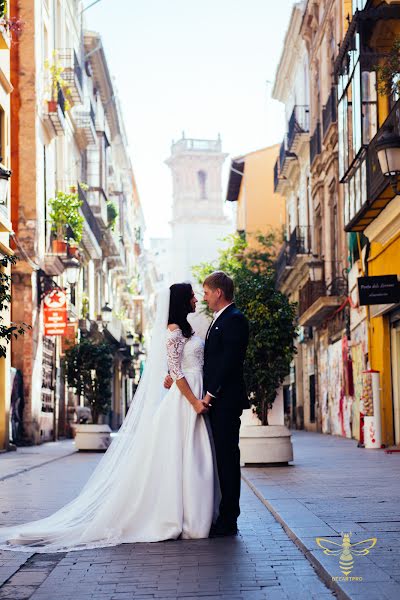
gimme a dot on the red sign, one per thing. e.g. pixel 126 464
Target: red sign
pixel 55 313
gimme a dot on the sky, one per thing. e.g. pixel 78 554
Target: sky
pixel 202 67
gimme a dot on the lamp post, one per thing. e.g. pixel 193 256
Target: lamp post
pixel 388 151
pixel 5 175
pixel 72 269
pixel 106 315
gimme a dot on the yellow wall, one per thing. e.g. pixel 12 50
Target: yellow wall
pixel 259 208
pixel 384 260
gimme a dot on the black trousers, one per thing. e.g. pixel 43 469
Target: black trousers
pixel 225 428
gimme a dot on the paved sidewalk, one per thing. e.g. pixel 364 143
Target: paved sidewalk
pixel 260 563
pixel 30 457
pixel 335 487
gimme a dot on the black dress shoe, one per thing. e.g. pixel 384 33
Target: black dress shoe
pixel 223 530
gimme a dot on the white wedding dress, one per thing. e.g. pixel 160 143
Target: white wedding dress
pixel 157 481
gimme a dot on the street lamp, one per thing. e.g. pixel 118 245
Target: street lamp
pixel 106 314
pixel 388 151
pixel 72 267
pixel 5 175
pixel 316 269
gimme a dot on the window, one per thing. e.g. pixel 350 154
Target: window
pixel 357 109
pixel 202 179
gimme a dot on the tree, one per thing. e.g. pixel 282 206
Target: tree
pixel 272 317
pixel 88 371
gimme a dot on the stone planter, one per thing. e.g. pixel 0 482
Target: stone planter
pixel 263 445
pixel 92 437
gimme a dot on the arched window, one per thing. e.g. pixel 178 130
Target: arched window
pixel 202 178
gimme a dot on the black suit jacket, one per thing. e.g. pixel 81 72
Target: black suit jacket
pixel 224 354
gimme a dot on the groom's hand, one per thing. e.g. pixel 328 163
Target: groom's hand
pixel 207 400
pixel 168 381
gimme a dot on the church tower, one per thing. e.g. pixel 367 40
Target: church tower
pixel 198 219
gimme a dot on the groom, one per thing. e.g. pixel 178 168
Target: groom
pixel 224 354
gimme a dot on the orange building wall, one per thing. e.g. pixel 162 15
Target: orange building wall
pixel 259 207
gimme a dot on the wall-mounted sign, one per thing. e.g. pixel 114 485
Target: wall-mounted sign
pixel 379 289
pixel 55 313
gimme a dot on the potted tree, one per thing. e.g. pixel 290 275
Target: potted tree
pixel 88 367
pixel 263 437
pixel 64 214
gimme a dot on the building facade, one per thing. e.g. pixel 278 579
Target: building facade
pixel 69 138
pixel 5 220
pixel 259 208
pixel 368 109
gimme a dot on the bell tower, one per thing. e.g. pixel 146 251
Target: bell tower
pixel 198 219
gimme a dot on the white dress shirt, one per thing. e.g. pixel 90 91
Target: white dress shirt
pixel 216 315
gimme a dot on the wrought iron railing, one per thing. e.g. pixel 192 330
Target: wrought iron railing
pixel 313 290
pixel 282 154
pixel 315 143
pixel 299 123
pixel 276 175
pixel 89 216
pixel 60 99
pixel 309 293
pixel 78 70
pixel 329 112
pixel 281 263
pixel 299 242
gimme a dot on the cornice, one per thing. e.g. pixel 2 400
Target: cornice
pixel 293 47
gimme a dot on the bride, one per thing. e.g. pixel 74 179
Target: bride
pixel 157 479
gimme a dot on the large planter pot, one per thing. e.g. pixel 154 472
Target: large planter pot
pixel 92 437
pixel 59 247
pixel 265 444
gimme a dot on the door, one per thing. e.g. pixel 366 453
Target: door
pixel 395 356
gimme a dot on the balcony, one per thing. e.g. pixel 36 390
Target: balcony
pixel 315 143
pixel 72 74
pixel 318 301
pixel 97 201
pixel 276 175
pixel 285 158
pixel 363 208
pixel 56 112
pixel 329 112
pixel 85 128
pixel 299 127
pixel 299 243
pixel 90 219
pixel 294 253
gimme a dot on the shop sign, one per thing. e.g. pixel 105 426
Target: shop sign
pixel 378 289
pixel 55 313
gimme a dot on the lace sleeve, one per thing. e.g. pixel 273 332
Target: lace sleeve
pixel 175 345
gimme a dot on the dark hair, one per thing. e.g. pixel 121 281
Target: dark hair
pixel 222 281
pixel 180 307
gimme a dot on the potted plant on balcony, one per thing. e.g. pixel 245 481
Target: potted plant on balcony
pixel 56 83
pixel 89 373
pixel 112 214
pixel 64 214
pixel 263 437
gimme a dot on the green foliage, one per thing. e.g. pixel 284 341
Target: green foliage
pixel 7 332
pixel 272 318
pixel 89 372
pixel 388 71
pixel 112 214
pixel 57 81
pixel 64 209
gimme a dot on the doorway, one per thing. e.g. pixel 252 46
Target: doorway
pixel 395 358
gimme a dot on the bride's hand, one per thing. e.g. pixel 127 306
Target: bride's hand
pixel 200 408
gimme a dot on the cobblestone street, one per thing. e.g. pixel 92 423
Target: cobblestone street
pixel 331 487
pixel 260 563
